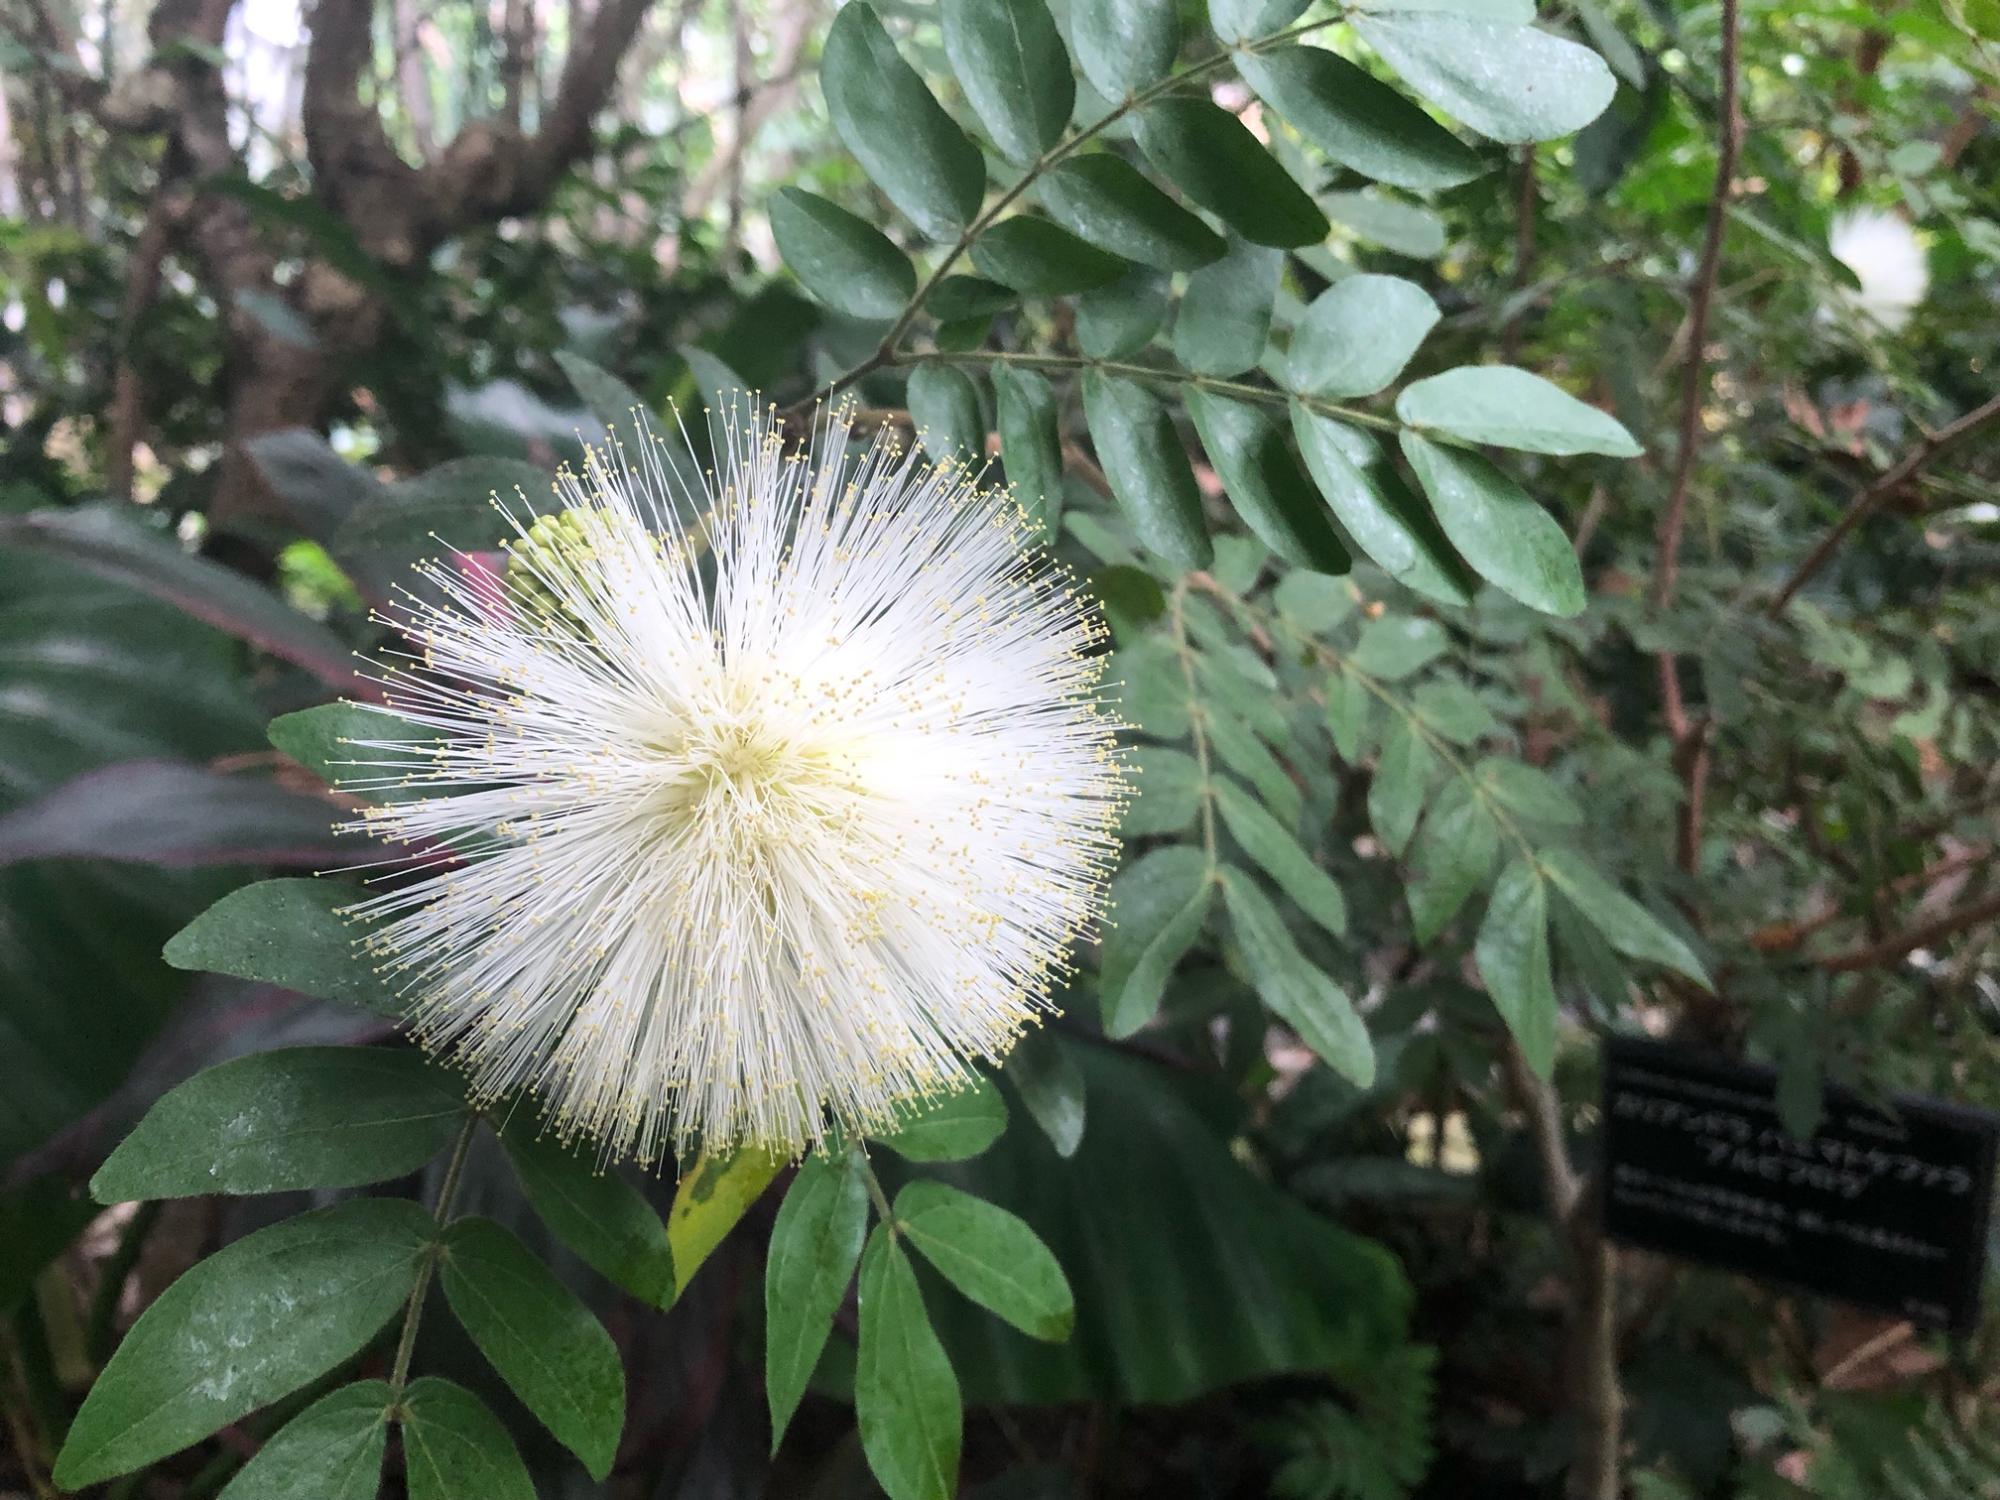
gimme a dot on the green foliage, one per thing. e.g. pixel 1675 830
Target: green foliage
pixel 255 1321
pixel 300 1118
pixel 552 1353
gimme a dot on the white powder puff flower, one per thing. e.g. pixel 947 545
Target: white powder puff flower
pixel 1883 252
pixel 766 827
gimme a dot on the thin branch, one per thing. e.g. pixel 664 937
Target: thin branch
pixel 1694 371
pixel 1691 737
pixel 1894 947
pixel 1599 1403
pixel 1934 445
pixel 142 287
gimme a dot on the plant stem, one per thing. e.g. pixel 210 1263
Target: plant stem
pixel 399 1373
pixel 1237 388
pixel 881 1199
pixel 104 1304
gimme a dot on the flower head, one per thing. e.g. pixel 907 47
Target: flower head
pixel 766 823
pixel 1886 257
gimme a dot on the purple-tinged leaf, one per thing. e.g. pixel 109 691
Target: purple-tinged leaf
pixel 164 812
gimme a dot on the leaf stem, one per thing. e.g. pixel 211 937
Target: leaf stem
pixel 413 1313
pixel 1242 390
pixel 874 1185
pixel 885 352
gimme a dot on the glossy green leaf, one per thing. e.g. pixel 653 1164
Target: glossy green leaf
pixel 713 1196
pixel 944 405
pixel 303 1117
pixel 289 933
pixel 1357 336
pixel 1358 120
pixel 905 142
pixel 1508 539
pixel 1401 782
pixel 1451 858
pixel 254 1322
pixel 1529 793
pixel 1225 315
pixel 330 1451
pixel 1512 953
pixel 951 1128
pixel 989 1255
pixel 1106 200
pixel 454 1448
pixel 906 1398
pixel 1392 647
pixel 1124 46
pixel 553 1354
pixel 1051 1086
pixel 597 1214
pixel 814 1247
pixel 1278 854
pixel 1624 923
pixel 1147 469
pixel 1265 483
pixel 1218 163
pixel 1010 61
pixel 600 1216
pixel 1298 993
pixel 1030 444
pixel 1510 408
pixel 1169 789
pixel 1041 258
pixel 839 257
pixel 1117 321
pixel 1380 516
pixel 609 399
pixel 1510 83
pixel 1159 904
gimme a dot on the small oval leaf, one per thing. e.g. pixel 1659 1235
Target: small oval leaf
pixel 1511 408
pixel 1106 200
pixel 905 142
pixel 1357 336
pixel 839 257
pixel 1509 540
pixel 1147 469
pixel 1219 164
pixel 1010 61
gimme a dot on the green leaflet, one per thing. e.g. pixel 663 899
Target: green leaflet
pixel 906 1398
pixel 253 1322
pixel 303 1117
pixel 952 1128
pixel 547 1346
pixel 814 1247
pixel 989 1255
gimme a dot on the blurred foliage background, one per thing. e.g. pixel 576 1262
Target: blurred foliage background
pixel 284 292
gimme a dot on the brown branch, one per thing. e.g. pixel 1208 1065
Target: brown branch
pixel 1694 371
pixel 1871 495
pixel 1783 936
pixel 1691 737
pixel 142 287
pixel 1895 946
pixel 1597 1402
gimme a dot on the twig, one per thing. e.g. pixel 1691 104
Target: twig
pixel 1598 1402
pixel 413 1312
pixel 142 286
pixel 1934 445
pixel 1893 947
pixel 1691 737
pixel 1785 935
